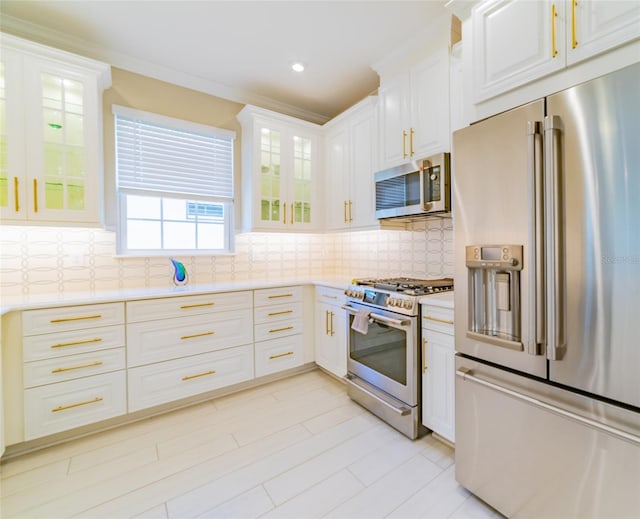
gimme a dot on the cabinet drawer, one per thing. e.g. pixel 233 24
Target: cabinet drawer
pixel 60 369
pixel 331 296
pixel 50 345
pixel 59 407
pixel 167 381
pixel 71 318
pixel 437 318
pixel 180 306
pixel 276 296
pixel 275 313
pixel 156 341
pixel 278 354
pixel 268 331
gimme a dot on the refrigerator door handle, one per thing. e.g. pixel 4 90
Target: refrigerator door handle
pixel 535 256
pixel 554 239
pixel 467 375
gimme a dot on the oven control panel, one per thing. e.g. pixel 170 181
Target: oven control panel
pixel 400 302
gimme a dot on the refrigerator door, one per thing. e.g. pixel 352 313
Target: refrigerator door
pixel 596 321
pixel 494 165
pixel 533 450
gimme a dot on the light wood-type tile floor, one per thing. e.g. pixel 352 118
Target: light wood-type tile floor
pixel 296 448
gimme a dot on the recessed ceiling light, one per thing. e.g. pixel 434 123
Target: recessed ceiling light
pixel 298 67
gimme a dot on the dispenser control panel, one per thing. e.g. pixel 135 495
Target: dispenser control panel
pixel 507 257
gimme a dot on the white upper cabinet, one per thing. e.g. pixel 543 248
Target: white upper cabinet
pixel 349 166
pixel 597 26
pixel 518 41
pixel 414 112
pixel 50 134
pixel 280 159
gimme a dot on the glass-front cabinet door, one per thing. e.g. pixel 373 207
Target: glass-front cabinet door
pixel 50 134
pixel 279 164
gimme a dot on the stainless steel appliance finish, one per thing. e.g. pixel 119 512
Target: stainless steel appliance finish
pixel 414 189
pixel 384 363
pixel 559 177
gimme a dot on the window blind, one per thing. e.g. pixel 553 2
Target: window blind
pixel 162 155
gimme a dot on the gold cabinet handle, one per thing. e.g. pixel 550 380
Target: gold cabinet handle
pixel 424 355
pixel 35 195
pixel 329 297
pixel 196 335
pixel 350 211
pixel 326 322
pixel 291 211
pixel 574 41
pixel 280 295
pixel 344 211
pixel 276 330
pixel 71 406
pixel 554 14
pixel 90 365
pixel 284 212
pixel 404 144
pixel 199 305
pixel 284 312
pixel 411 152
pixel 16 194
pixel 331 320
pixel 76 343
pixel 189 377
pixel 437 320
pixel 82 318
pixel 271 357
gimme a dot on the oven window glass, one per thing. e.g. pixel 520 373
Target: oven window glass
pixel 383 349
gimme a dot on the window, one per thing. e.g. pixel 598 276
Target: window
pixel 174 182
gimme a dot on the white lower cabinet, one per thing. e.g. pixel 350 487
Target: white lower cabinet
pixel 278 354
pixel 331 331
pixel 163 382
pixel 438 367
pixel 278 329
pixel 58 407
pixel 156 341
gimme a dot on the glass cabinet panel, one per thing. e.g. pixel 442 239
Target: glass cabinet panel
pixel 63 132
pixel 4 173
pixel 270 179
pixel 302 179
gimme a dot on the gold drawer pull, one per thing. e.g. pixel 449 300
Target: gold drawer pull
pixel 329 297
pixel 71 406
pixel 280 295
pixel 83 318
pixel 271 357
pixel 276 330
pixel 90 365
pixel 76 343
pixel 196 335
pixel 271 314
pixel 189 377
pixel 185 307
pixel 444 321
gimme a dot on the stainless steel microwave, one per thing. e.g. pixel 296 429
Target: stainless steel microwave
pixel 414 189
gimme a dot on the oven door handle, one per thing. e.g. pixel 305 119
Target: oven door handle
pixel 377 317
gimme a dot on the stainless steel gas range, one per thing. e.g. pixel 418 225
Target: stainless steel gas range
pixel 383 366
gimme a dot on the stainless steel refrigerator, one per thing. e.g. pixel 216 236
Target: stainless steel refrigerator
pixel 547 303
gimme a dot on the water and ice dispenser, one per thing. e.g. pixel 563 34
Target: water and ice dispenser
pixel 494 294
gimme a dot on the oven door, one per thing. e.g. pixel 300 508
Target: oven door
pixel 387 355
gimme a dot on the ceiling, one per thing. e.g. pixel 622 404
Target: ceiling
pixel 239 50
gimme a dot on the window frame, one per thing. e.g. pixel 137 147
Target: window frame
pixel 228 203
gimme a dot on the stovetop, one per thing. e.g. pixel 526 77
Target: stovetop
pixel 396 294
pixel 409 286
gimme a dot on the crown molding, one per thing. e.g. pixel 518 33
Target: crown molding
pixel 59 40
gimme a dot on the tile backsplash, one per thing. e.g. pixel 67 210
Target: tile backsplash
pixel 36 260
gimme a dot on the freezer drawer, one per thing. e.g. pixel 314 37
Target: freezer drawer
pixel 533 450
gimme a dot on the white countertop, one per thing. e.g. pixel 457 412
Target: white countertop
pixel 14 303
